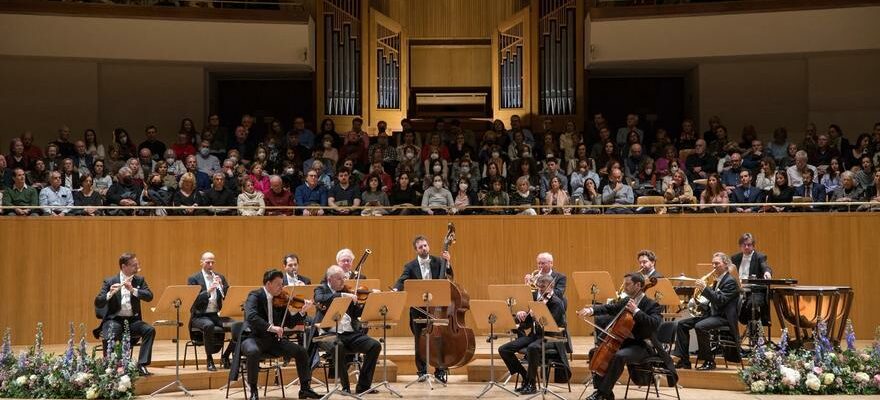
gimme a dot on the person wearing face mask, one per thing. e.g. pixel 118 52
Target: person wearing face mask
pixel 465 169
pixel 125 192
pixel 464 197
pixel 175 166
pixel 155 194
pixel 435 167
pixel 437 199
pixel 205 161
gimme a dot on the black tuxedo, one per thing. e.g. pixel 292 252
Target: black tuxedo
pixel 757 267
pixel 559 286
pixel 112 324
pixel 209 323
pixel 640 346
pixel 723 309
pixel 353 342
pixel 350 275
pixel 412 271
pixel 532 344
pixel 258 342
pixel 302 278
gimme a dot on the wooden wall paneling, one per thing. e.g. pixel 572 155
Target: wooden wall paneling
pixel 449 18
pixel 379 22
pixel 518 23
pixel 52 269
pixel 431 66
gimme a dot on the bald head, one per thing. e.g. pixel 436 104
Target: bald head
pixel 207 261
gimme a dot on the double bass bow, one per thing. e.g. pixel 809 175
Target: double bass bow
pixel 452 345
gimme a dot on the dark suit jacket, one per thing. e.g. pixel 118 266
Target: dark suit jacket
pixel 724 302
pixel 556 305
pixel 561 282
pixel 361 275
pixel 303 278
pixel 324 296
pixel 817 192
pixel 412 271
pixel 757 266
pixel 647 319
pixel 75 180
pixel 201 302
pixel 256 317
pixel 739 195
pixel 108 309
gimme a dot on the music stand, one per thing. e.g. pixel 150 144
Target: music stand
pixel 516 296
pixel 234 308
pixel 331 319
pixel 385 308
pixel 172 298
pixel 422 294
pixel 542 316
pixel 594 287
pixel 308 293
pixel 487 314
pixel 664 294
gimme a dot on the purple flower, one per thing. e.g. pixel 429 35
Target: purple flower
pixel 850 335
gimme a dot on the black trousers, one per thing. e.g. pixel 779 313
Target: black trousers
pixel 255 349
pixel 758 297
pixel 626 355
pixel 212 332
pixel 702 325
pixel 417 330
pixel 353 343
pixel 508 351
pixel 137 328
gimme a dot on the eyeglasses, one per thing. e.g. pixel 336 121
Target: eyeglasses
pixel 311 176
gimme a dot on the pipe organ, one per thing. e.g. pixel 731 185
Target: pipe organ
pixel 342 57
pixel 511 43
pixel 557 41
pixel 388 68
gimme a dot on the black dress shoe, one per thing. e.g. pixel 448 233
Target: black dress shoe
pixel 210 366
pixel 308 394
pixel 441 375
pixel 707 366
pixel 529 389
pixel 142 370
pixel 682 364
pixel 597 395
pixel 255 394
pixel 224 363
pixel 367 391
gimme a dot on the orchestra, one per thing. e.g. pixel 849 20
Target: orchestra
pixel 625 325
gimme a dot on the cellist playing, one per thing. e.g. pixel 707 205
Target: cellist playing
pixel 646 314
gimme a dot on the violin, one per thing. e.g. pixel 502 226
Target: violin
pixel 362 292
pixel 283 300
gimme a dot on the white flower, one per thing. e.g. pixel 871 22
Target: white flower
pixel 21 380
pixel 865 356
pixel 124 384
pixel 81 378
pixel 769 355
pixel 862 377
pixel 758 386
pixel 813 383
pixel 827 378
pixel 92 393
pixel 790 377
pixel 32 378
pixel 108 371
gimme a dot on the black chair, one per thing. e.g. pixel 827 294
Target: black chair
pixel 275 364
pixel 196 340
pixel 553 362
pixel 654 364
pixel 721 342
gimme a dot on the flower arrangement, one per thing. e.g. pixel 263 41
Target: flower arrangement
pixel 825 369
pixel 75 374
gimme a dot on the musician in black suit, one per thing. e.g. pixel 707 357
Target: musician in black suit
pixel 532 341
pixel 204 313
pixel 345 260
pixel 753 263
pixel 120 301
pixel 648 269
pixel 291 271
pixel 352 337
pixel 425 266
pixel 265 334
pixel 723 307
pixel 544 263
pixel 646 314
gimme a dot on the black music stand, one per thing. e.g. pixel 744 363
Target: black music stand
pixel 487 314
pixel 380 307
pixel 428 293
pixel 307 292
pixel 334 314
pixel 173 297
pixel 541 315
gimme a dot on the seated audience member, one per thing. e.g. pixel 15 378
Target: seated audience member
pixel 663 163
pixel 205 161
pixel 175 166
pixel 82 160
pixel 778 147
pixel 580 176
pixel 468 170
pixel 745 193
pixel 53 159
pixel 56 198
pixel 815 192
pixel 555 197
pixel 781 192
pixel 589 196
pixel 343 194
pixel 32 151
pixel 464 197
pixel 101 177
pixel 260 180
pixel 125 192
pixel 404 193
pixel 796 171
pixel 730 174
pixel 645 181
pixel 373 198
pixel 551 172
pixel 491 172
pixel 871 195
pixel 156 194
pixel 437 199
pixel 157 147
pixel 69 175
pixel 617 192
pixel 219 196
pixel 87 196
pixel 20 194
pixel 524 197
pixel 279 196
pixel 679 191
pixel 831 178
pixel 790 154
pixel 714 193
pixel 38 178
pixel 824 151
pixel 766 173
pixel 495 197
pixel 385 180
pixel 674 166
pixel 752 158
pixel 848 191
pixel 717 147
pixel 312 192
pixel 865 176
pixel 700 164
pixel 183 148
pixel 581 153
pixel 250 198
pixel 187 196
pixel 145 162
pixel 203 180
pixel 95 149
pixel 633 161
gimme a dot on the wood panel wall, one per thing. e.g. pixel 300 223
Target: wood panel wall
pixel 450 66
pixel 53 268
pixel 448 18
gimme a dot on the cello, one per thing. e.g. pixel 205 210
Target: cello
pixel 618 330
pixel 452 345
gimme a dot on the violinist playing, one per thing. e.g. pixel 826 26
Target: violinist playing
pixel 532 341
pixel 352 337
pixel 265 318
pixel 645 313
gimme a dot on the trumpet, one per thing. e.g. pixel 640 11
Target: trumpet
pixel 698 303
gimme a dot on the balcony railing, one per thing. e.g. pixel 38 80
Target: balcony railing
pixel 265 10
pixel 652 8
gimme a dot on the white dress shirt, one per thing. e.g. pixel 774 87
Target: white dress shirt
pixel 425 266
pixel 344 322
pixel 269 306
pixel 744 266
pixel 125 295
pixel 212 300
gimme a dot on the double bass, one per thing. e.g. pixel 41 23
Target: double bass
pixel 452 345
